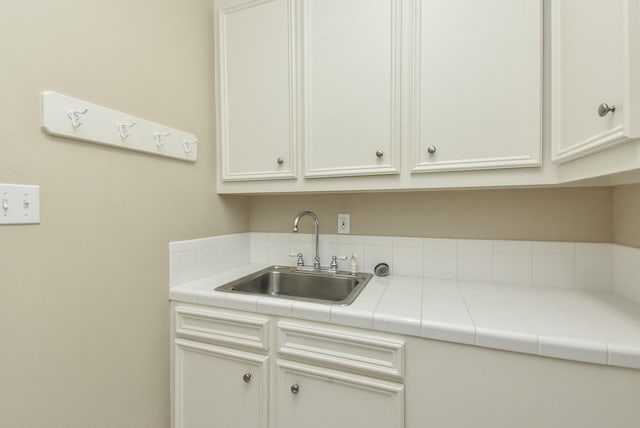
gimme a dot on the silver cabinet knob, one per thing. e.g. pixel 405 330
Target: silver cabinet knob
pixel 431 149
pixel 604 109
pixel 295 388
pixel 280 161
pixel 379 153
pixel 246 378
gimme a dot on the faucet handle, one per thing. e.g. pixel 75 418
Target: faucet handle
pixel 300 261
pixel 334 262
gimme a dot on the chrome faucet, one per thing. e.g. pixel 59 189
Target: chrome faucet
pixel 316 259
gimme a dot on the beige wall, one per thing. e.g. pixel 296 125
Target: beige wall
pixel 626 215
pixel 579 214
pixel 83 296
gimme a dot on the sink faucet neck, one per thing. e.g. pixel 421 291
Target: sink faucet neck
pixel 316 223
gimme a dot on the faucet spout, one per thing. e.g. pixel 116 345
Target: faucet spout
pixel 316 223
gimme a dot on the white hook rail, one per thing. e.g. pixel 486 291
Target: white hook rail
pixel 63 116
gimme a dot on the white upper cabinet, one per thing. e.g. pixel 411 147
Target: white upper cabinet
pixel 357 95
pixel 476 84
pixel 255 89
pixel 595 66
pixel 351 66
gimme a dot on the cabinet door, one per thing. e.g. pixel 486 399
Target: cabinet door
pixel 477 80
pixel 312 397
pixel 255 89
pixel 594 65
pixel 351 63
pixel 219 387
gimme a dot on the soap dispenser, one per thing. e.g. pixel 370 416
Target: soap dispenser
pixel 354 263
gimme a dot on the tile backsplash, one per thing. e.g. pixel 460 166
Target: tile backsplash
pixel 594 266
pixel 199 258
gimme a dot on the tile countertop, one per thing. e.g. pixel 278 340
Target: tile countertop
pixel 591 326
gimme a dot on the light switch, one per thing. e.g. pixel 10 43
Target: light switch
pixel 20 204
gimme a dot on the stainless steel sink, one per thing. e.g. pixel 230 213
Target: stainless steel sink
pixel 340 288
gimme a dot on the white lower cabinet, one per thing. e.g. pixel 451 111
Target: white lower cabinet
pixel 220 387
pixel 309 374
pixel 220 368
pixel 226 374
pixel 313 397
pixel 340 378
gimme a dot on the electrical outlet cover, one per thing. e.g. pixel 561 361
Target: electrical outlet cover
pixel 344 223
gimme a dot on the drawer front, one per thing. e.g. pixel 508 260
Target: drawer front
pixel 380 356
pixel 223 328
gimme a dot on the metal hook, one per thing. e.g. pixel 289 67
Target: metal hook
pixel 158 136
pixel 186 144
pixel 74 115
pixel 122 129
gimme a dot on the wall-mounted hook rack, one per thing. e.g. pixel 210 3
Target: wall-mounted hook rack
pixel 63 116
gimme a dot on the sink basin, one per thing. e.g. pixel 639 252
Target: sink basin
pixel 339 288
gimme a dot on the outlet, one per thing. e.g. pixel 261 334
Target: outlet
pixel 344 223
pixel 19 204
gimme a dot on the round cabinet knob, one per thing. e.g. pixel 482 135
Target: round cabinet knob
pixel 295 388
pixel 604 109
pixel 431 149
pixel 280 161
pixel 246 378
pixel 379 154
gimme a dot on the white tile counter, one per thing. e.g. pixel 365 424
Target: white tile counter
pixel 575 324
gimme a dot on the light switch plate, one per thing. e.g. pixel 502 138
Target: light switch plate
pixel 19 204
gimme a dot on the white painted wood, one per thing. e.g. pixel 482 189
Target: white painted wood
pixel 451 385
pixel 372 355
pixel 336 366
pixel 594 60
pixel 351 65
pixel 476 87
pixel 210 390
pixel 360 70
pixel 485 178
pixel 223 328
pixel 631 28
pixel 68 117
pixel 256 89
pixel 328 398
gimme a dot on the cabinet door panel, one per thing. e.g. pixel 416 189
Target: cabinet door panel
pixel 333 399
pixel 210 389
pixel 256 90
pixel 477 84
pixel 352 87
pixel 590 69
